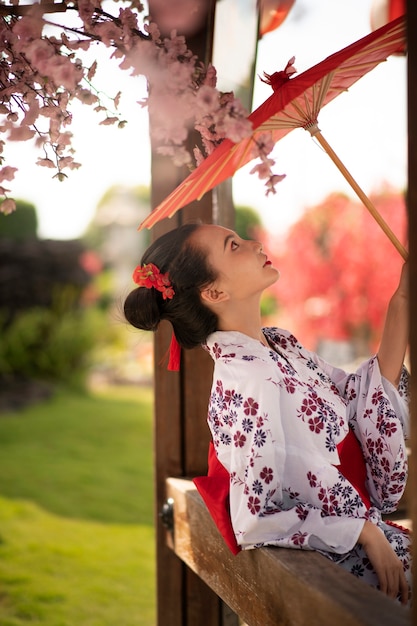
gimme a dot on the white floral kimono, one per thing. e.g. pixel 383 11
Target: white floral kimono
pixel 278 418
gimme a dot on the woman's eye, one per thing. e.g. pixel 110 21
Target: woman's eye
pixel 234 245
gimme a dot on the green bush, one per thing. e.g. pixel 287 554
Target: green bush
pixel 44 344
pixel 21 224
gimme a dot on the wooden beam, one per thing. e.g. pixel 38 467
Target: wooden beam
pixel 47 7
pixel 412 230
pixel 273 586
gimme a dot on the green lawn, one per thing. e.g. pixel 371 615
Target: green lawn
pixel 76 502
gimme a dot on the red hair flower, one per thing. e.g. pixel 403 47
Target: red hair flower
pixel 149 276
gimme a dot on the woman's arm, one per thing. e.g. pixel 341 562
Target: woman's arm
pixel 395 334
pixel 387 565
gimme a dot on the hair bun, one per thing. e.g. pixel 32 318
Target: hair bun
pixel 142 308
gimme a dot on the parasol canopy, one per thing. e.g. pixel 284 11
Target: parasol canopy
pixel 295 103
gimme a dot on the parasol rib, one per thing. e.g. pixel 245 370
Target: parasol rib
pixel 215 169
pixel 315 132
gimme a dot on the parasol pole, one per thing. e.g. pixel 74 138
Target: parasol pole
pixel 315 132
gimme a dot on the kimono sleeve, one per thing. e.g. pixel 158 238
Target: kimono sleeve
pixel 379 416
pixel 282 491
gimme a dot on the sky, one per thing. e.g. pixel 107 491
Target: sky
pixel 366 127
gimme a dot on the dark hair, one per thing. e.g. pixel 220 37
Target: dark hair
pixel 188 272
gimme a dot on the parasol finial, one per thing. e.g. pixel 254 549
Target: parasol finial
pixel 277 79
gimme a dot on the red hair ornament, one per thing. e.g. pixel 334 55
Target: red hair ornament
pixel 149 276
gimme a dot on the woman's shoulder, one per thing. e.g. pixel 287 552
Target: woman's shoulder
pixel 282 337
pixel 220 344
pixel 234 347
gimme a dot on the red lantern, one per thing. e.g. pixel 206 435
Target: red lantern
pixel 384 11
pixel 272 14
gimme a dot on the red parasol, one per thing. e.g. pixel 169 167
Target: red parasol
pixel 295 103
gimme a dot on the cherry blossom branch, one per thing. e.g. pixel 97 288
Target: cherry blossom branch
pixel 42 74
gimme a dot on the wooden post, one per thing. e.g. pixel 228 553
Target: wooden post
pixel 412 216
pixel 179 591
pixel 181 433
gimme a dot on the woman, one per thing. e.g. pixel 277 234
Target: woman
pixel 285 424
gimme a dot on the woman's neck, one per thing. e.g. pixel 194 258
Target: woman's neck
pixel 244 320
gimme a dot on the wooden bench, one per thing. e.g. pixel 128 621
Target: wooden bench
pixel 272 586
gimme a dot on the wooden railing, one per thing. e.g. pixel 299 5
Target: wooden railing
pixel 272 586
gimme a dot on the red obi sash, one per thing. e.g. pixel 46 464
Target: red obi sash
pixel 352 465
pixel 214 488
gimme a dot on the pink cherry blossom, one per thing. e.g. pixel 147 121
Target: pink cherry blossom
pixel 86 96
pixel 46 163
pixel 20 134
pixel 210 78
pixel 41 76
pixel 7 173
pixel 237 129
pixel 207 99
pixel 263 169
pixel 7 206
pixel 38 52
pixel 108 121
pixel 32 113
pixel 28 28
pixel 63 71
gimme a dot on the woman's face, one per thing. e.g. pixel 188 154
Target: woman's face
pixel 242 268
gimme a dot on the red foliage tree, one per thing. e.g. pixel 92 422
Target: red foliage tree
pixel 338 270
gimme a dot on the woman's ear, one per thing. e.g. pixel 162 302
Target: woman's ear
pixel 211 295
